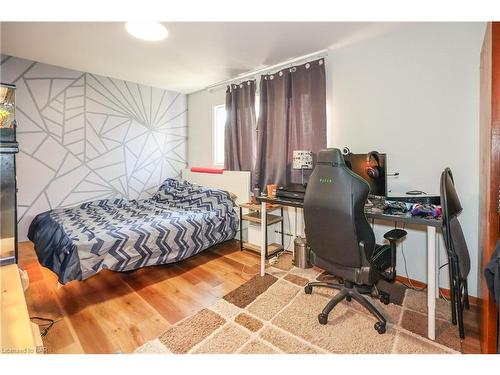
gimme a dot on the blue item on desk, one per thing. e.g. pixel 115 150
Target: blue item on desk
pixel 426 210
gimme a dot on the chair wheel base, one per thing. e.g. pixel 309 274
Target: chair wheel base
pixel 348 298
pixel 379 327
pixel 322 319
pixel 384 298
pixel 308 289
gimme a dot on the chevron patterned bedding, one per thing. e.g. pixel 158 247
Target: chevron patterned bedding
pixel 177 222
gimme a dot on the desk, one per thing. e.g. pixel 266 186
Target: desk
pixel 432 256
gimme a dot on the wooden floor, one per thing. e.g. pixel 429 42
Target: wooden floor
pixel 471 344
pixel 118 312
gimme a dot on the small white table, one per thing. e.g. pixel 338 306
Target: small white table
pixel 432 255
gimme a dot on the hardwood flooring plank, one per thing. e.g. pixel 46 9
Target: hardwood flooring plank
pixel 201 273
pixel 42 302
pixel 162 301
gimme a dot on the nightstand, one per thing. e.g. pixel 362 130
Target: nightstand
pixel 253 216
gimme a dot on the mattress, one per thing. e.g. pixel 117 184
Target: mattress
pixel 179 221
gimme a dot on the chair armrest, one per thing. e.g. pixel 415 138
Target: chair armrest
pixel 395 235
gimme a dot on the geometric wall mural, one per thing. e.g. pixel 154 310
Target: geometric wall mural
pixel 84 137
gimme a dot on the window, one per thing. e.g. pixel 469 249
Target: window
pixel 219 122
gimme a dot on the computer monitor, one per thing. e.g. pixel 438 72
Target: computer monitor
pixel 371 168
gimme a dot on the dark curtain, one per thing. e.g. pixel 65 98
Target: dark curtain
pixel 292 116
pixel 239 132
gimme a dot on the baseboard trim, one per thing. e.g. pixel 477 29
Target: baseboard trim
pixel 446 292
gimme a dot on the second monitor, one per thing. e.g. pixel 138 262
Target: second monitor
pixel 372 168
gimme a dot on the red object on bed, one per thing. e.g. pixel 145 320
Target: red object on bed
pixel 207 170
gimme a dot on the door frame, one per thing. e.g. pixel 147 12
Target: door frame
pixel 489 167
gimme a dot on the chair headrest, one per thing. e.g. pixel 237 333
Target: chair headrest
pixel 332 156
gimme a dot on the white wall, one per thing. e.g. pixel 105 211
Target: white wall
pixel 412 93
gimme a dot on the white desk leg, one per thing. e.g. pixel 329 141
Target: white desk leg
pixel 263 229
pixel 438 262
pixel 431 282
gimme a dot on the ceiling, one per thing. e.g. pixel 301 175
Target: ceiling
pixel 195 55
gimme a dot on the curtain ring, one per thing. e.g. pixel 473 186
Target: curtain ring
pixel 248 83
pixel 280 73
pixel 241 85
pixel 321 62
pixel 308 65
pixel 271 77
pixel 294 69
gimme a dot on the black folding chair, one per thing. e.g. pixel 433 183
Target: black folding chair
pixel 456 248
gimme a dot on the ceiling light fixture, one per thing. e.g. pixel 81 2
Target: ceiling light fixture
pixel 152 31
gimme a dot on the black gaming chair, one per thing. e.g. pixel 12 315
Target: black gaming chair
pixel 341 240
pixel 456 248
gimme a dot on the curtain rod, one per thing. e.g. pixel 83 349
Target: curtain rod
pixel 318 54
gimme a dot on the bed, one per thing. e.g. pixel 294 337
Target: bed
pixel 180 220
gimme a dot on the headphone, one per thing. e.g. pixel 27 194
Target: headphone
pixel 373 171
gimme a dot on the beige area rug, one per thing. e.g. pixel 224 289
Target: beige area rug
pixel 272 314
